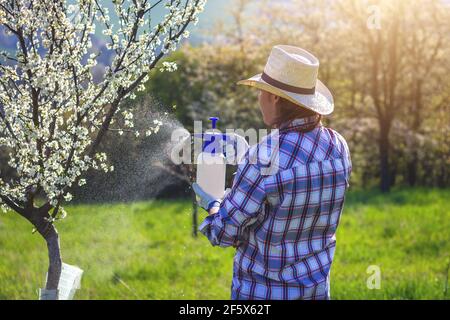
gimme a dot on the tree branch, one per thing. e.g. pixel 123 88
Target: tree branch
pixel 12 204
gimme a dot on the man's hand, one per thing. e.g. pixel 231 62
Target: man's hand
pixel 237 244
pixel 213 210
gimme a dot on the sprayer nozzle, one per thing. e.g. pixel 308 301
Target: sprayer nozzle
pixel 214 121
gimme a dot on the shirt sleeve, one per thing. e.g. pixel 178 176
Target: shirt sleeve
pixel 347 160
pixel 239 209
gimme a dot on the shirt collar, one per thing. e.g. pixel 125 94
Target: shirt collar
pixel 300 123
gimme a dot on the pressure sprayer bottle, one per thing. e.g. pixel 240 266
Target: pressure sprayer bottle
pixel 215 155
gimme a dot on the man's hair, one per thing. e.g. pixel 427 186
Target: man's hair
pixel 289 110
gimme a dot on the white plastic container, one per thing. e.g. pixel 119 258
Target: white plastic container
pixel 69 283
pixel 212 161
pixel 211 169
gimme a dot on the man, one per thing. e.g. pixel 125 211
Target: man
pixel 283 224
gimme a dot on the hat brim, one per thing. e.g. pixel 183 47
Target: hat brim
pixel 321 102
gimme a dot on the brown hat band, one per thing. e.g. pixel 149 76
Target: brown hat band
pixel 286 87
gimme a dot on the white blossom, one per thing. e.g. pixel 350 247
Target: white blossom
pixel 168 66
pixel 51 108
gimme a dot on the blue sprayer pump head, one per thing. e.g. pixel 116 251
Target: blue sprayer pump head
pixel 214 122
pixel 213 142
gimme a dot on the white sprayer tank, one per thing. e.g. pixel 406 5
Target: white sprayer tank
pixel 211 163
pixel 211 169
pixel 218 150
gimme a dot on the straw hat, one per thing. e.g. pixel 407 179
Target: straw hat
pixel 291 73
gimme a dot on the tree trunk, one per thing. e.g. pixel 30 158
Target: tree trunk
pixel 51 237
pixel 55 262
pixel 417 121
pixel 393 174
pixel 194 215
pixel 383 141
pixel 412 169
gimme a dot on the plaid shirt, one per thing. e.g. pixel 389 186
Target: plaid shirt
pixel 283 221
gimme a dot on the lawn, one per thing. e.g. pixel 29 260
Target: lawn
pixel 145 250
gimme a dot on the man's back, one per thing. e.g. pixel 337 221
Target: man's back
pixel 286 252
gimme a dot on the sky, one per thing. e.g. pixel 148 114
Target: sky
pixel 214 10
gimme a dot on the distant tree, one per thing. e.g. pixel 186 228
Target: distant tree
pixel 383 60
pixel 427 53
pixel 206 79
pixel 403 57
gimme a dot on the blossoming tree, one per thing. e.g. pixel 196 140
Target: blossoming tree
pixel 53 114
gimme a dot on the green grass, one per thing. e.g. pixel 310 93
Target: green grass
pixel 145 250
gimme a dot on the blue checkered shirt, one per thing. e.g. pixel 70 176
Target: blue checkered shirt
pixel 283 218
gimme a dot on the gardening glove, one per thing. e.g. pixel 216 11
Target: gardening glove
pixel 207 201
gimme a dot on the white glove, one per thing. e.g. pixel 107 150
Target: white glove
pixel 207 201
